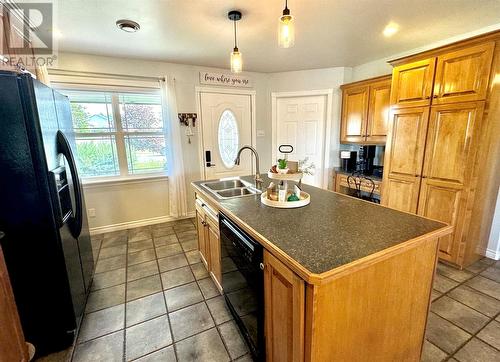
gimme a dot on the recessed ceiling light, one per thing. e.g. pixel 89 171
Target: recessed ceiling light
pixel 128 25
pixel 390 29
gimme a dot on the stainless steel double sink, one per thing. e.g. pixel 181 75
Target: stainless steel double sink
pixel 228 189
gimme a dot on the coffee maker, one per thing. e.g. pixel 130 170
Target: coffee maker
pixel 349 160
pixel 366 155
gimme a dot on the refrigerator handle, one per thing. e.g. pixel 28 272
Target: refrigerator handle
pixel 64 148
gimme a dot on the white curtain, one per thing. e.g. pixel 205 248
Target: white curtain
pixel 175 163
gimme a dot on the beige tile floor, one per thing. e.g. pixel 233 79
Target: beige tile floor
pixel 152 300
pixel 464 321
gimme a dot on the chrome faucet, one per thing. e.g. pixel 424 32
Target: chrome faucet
pixel 258 179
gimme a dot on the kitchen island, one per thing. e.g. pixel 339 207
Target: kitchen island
pixel 344 279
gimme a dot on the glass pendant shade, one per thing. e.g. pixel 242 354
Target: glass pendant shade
pixel 236 61
pixel 286 32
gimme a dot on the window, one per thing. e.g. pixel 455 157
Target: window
pixel 118 134
pixel 228 138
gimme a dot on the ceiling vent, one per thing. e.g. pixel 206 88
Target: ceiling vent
pixel 128 25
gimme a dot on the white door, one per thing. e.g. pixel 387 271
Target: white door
pixel 226 120
pixel 301 123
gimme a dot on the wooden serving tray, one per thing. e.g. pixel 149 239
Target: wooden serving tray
pixel 305 199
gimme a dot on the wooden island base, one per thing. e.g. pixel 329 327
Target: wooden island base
pixel 371 309
pixel 376 312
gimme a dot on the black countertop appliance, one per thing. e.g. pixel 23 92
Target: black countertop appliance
pixel 366 155
pixel 349 159
pixel 47 243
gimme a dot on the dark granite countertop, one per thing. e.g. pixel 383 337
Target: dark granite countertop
pixel 333 230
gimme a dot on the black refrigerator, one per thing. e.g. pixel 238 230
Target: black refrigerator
pixel 47 244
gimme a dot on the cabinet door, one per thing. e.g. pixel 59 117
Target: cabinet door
pixel 284 312
pixel 404 158
pixel 442 201
pixel 378 112
pixel 401 193
pixel 354 114
pixel 463 75
pixel 412 84
pixel 452 141
pixel 214 249
pixel 12 346
pixel 202 235
pixel 406 143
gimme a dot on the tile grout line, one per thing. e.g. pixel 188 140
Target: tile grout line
pixel 124 348
pixel 75 343
pixel 472 335
pixel 206 305
pixel 165 301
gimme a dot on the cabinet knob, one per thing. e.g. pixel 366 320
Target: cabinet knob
pixel 261 266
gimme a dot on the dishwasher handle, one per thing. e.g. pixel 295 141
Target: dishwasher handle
pixel 245 240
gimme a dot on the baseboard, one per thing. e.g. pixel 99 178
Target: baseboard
pixel 492 254
pixel 137 223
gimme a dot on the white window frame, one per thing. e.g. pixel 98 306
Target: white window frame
pixel 119 136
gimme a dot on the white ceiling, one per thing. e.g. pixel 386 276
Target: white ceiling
pixel 329 33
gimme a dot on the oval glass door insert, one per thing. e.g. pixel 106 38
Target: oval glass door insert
pixel 228 138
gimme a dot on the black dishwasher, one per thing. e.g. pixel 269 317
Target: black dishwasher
pixel 243 282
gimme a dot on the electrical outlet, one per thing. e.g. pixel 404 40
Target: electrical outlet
pixel 91 212
pixel 261 133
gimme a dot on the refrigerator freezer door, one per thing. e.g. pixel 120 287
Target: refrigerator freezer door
pixel 63 110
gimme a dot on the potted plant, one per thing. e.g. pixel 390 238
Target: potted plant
pixel 282 166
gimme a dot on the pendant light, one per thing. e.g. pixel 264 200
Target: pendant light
pixel 286 30
pixel 236 59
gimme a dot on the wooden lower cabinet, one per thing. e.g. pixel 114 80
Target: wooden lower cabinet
pixel 208 240
pixel 443 201
pixel 202 236
pixel 401 193
pixel 284 312
pixel 12 345
pixel 345 317
pixel 214 250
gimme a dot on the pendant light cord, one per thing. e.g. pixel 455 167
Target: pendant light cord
pixel 235 45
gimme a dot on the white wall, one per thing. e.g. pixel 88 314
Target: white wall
pixel 121 203
pixel 493 250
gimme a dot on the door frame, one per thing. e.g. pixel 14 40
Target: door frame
pixel 328 125
pixel 199 90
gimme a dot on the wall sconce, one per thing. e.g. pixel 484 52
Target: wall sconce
pixel 188 120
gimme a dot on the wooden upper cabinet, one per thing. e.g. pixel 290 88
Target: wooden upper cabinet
pixel 284 305
pixel 378 111
pixel 412 84
pixel 463 75
pixel 406 143
pixel 450 148
pixel 365 111
pixel 354 114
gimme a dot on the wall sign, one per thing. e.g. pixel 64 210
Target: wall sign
pixel 226 79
